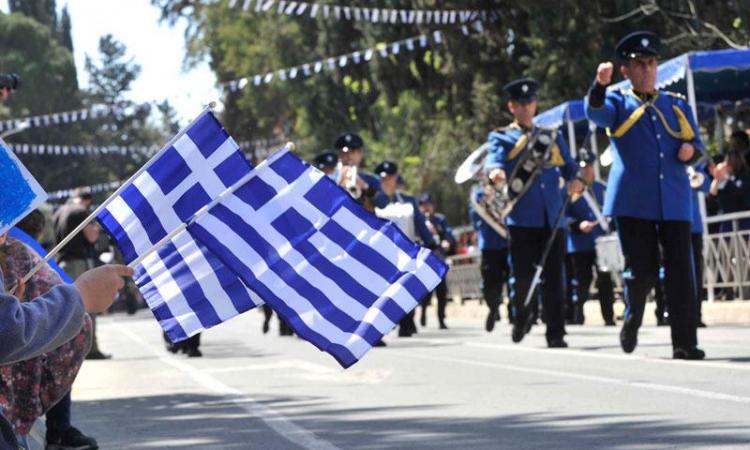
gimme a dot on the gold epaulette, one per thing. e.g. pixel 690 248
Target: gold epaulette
pixel 685 133
pixel 675 94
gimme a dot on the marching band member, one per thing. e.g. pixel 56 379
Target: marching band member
pixel 442 234
pixel 327 162
pixel 653 137
pixel 494 263
pixel 362 185
pixel 532 221
pixel 583 231
pixel 401 209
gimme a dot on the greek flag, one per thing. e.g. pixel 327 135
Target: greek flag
pixel 341 277
pixel 185 285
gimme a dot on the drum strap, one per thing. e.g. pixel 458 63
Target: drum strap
pixel 555 158
pixel 685 133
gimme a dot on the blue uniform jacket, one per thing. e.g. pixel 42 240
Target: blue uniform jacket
pixel 381 201
pixel 580 211
pixel 443 228
pixel 541 204
pixel 696 226
pixel 488 239
pixel 371 180
pixel 646 180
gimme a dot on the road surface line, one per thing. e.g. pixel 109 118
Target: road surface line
pixel 594 354
pixel 605 380
pixel 273 419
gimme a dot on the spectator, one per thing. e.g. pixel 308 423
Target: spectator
pixel 731 186
pixel 79 255
pixel 28 329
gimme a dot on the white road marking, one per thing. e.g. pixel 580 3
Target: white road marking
pixel 297 368
pixel 273 419
pixel 586 353
pixel 559 374
pixel 596 354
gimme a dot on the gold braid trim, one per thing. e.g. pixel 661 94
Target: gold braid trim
pixel 520 144
pixel 685 133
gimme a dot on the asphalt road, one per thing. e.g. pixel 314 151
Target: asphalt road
pixel 444 389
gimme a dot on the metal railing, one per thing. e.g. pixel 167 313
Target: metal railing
pixel 464 278
pixel 727 257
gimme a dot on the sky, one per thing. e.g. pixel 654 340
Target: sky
pixel 158 48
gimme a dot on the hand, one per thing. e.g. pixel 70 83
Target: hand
pixel 445 245
pixel 722 171
pixel 604 73
pixel 99 286
pixel 686 152
pixel 497 176
pixel 575 186
pixel 19 290
pixel 586 226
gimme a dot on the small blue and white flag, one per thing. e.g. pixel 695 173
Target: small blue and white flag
pixel 338 275
pixel 184 284
pixel 20 192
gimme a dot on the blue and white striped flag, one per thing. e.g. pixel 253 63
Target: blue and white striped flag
pixel 341 277
pixel 185 285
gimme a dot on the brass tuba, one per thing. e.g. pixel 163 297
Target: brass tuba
pixel 493 206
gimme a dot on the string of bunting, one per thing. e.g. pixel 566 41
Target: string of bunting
pixel 56 118
pixel 331 63
pixel 257 146
pixel 91 189
pixel 50 149
pixel 372 15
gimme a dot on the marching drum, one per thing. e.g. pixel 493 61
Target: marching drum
pixel 609 256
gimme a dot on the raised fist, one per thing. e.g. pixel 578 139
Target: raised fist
pixel 604 73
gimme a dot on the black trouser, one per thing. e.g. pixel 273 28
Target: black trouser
pixel 441 292
pixel 494 269
pixel 640 239
pixel 571 289
pixel 583 265
pixel 58 416
pixel 697 239
pixel 526 248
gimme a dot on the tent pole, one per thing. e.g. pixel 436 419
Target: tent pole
pixel 690 87
pixel 690 84
pixel 571 134
pixel 595 149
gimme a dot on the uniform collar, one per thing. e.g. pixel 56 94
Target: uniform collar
pixel 645 98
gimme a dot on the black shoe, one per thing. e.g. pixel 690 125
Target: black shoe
pixel 497 315
pixel 522 329
pixel 701 324
pixel 70 439
pixel 443 326
pixel 96 354
pixel 194 353
pixel 423 318
pixel 628 338
pixel 556 343
pixel 610 323
pixel 489 324
pixel 688 353
pixel 266 327
pixel 380 343
pixel 404 332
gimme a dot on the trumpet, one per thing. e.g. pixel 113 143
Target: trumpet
pixel 347 178
pixel 696 178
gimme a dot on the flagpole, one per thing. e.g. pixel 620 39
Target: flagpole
pixel 106 203
pixel 227 192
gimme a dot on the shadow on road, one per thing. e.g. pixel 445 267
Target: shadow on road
pixel 187 421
